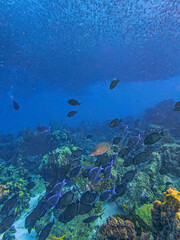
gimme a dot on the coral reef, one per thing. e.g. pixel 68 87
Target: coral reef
pixel 117 229
pixel 163 115
pixel 166 216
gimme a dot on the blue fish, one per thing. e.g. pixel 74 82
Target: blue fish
pixel 52 201
pixel 96 181
pixel 107 171
pixel 88 197
pixel 94 173
pixel 74 172
pixel 46 231
pixel 58 188
pixel 106 195
pixel 85 172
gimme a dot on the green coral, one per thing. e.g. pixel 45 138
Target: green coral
pixel 144 212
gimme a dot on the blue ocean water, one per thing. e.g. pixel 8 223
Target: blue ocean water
pixel 54 51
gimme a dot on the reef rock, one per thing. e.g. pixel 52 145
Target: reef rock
pixel 170 154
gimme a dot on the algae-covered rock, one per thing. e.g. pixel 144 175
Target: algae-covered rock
pixel 154 166
pixel 144 212
pixel 139 190
pixel 170 154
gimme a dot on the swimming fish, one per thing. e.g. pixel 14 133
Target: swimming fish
pixel 120 189
pixel 153 138
pixel 134 141
pixel 92 218
pixel 75 171
pixel 128 176
pixel 9 204
pixel 52 201
pixel 94 173
pixel 96 181
pixel 128 162
pixel 116 140
pixel 177 106
pixel 58 188
pixel 35 215
pixel 123 152
pixel 71 113
pixel 70 212
pixel 115 122
pixel 88 197
pixel 114 84
pixel 107 170
pixel 106 195
pixel 101 148
pixel 7 222
pixel 136 123
pixel 123 128
pixel 139 158
pixel 89 136
pixel 43 129
pixel 16 105
pixel 46 230
pixel 73 102
pixel 85 172
pixel 66 199
pixel 77 153
pixel 85 208
pixel 53 237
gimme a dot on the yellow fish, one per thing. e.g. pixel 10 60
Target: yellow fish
pixel 53 237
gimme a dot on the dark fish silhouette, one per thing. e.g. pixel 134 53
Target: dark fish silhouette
pixel 43 129
pixel 71 113
pixel 9 204
pixel 46 231
pixel 107 170
pixel 7 222
pixel 77 153
pixel 52 201
pixel 123 152
pixel 134 141
pixel 35 215
pixel 74 172
pixel 58 188
pixel 73 102
pixel 89 136
pixel 30 185
pixel 123 128
pixel 96 181
pixel 153 138
pixel 128 162
pixel 92 218
pixel 120 189
pixel 128 176
pixel 94 173
pixel 139 158
pixel 85 172
pixel 116 140
pixel 16 105
pixel 66 199
pixel 106 195
pixel 136 123
pixel 70 212
pixel 85 208
pixel 88 197
pixel 115 122
pixel 114 84
pixel 177 106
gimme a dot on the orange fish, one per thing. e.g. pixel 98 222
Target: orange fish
pixel 100 148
